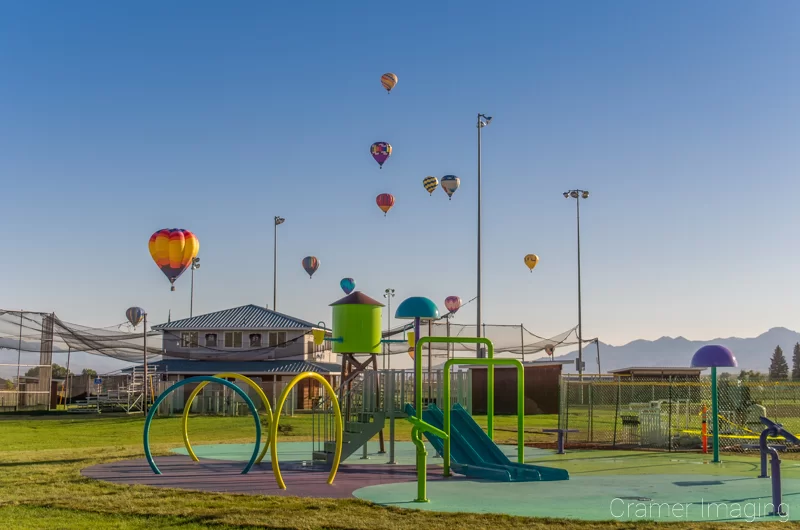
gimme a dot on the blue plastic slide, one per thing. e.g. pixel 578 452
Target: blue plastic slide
pixel 474 454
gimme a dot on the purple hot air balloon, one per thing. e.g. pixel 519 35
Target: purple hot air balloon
pixel 381 151
pixel 310 264
pixel 452 303
pixel 348 285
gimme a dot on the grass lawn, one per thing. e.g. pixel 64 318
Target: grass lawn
pixel 41 486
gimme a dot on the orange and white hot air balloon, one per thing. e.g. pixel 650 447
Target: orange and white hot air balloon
pixel 173 250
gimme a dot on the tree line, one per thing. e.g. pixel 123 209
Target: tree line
pixel 59 372
pixel 778 368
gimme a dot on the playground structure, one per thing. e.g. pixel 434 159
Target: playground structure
pixel 349 418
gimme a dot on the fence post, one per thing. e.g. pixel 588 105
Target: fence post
pixel 616 412
pixel 669 425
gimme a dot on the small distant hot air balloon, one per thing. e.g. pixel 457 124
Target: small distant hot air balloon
pixel 531 260
pixel 452 303
pixel 381 151
pixel 347 285
pixel 450 184
pixel 388 80
pixel 385 202
pixel 134 315
pixel 310 264
pixel 430 183
pixel 173 250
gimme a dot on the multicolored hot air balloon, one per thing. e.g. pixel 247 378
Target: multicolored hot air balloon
pixel 388 80
pixel 385 202
pixel 310 264
pixel 450 184
pixel 348 285
pixel 173 250
pixel 134 315
pixel 452 303
pixel 381 151
pixel 531 260
pixel 430 183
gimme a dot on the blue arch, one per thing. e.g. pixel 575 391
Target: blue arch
pixel 200 379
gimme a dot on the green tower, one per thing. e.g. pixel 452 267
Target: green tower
pixel 357 322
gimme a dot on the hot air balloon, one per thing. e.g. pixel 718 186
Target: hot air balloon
pixel 450 184
pixel 430 183
pixel 173 250
pixel 531 260
pixel 385 202
pixel 388 80
pixel 134 315
pixel 310 264
pixel 347 285
pixel 381 151
pixel 452 303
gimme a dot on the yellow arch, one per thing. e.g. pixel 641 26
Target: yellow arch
pixel 273 435
pixel 200 387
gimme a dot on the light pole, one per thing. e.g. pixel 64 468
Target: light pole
pixel 278 220
pixel 578 195
pixel 483 121
pixel 195 266
pixel 388 294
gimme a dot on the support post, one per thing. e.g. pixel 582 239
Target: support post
pixel 715 414
pixel 522 342
pixel 144 351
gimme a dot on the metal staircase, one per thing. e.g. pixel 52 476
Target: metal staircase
pixel 362 413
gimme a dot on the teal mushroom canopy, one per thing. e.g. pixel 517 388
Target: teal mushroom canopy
pixel 417 307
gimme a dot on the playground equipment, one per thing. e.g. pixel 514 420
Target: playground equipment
pixel 356 330
pixel 252 384
pixel 773 430
pixel 201 379
pixel 475 452
pixel 337 456
pixel 713 356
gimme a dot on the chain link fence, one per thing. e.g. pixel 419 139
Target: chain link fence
pixel 668 415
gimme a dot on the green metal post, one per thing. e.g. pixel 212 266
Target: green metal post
pixel 715 413
pixel 520 403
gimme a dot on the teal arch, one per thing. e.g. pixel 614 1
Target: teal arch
pixel 200 379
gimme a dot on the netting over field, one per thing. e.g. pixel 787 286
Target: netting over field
pixel 668 414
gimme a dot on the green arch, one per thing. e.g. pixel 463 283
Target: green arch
pixel 200 379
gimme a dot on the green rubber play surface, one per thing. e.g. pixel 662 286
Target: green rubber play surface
pixel 626 486
pixel 603 485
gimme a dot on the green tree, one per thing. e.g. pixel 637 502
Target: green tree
pixel 751 375
pixel 796 362
pixel 778 367
pixel 59 372
pixel 89 372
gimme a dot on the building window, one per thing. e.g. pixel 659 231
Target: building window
pixel 311 347
pixel 255 340
pixel 189 339
pixel 233 339
pixel 211 340
pixel 277 338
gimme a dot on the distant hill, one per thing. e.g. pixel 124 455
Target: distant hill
pixel 751 353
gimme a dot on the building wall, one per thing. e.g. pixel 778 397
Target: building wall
pixel 541 390
pixel 297 350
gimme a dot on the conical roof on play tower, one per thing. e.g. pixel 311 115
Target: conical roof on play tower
pixel 357 298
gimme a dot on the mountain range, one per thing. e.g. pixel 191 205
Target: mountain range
pixel 751 353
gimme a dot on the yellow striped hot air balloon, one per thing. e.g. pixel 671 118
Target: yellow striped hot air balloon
pixel 173 250
pixel 430 183
pixel 388 80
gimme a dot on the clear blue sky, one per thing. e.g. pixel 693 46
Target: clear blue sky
pixel 682 119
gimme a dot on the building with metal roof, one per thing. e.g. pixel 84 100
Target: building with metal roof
pixel 244 334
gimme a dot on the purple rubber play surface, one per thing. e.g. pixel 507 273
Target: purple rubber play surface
pixel 225 477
